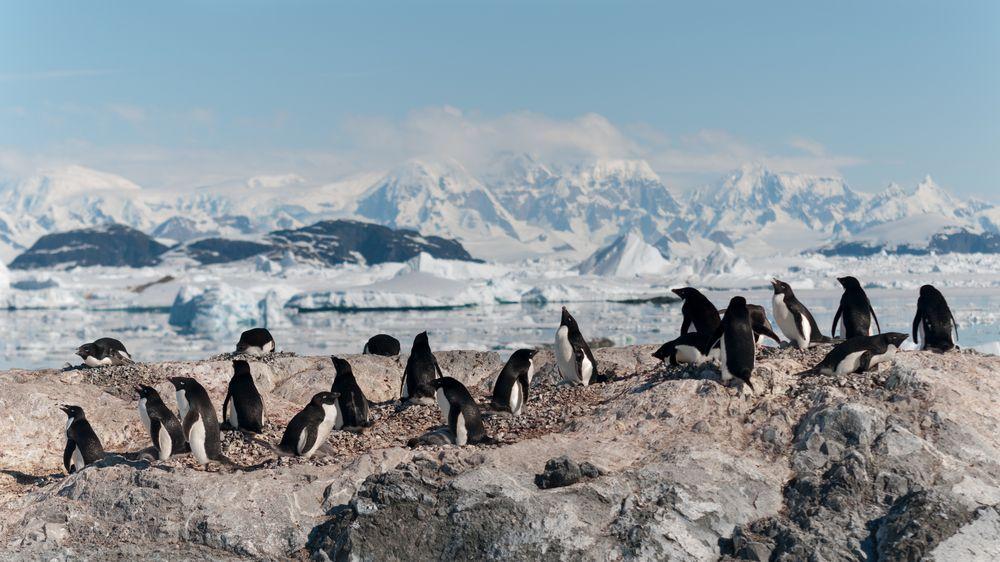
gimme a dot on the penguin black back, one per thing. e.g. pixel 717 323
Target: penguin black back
pixel 934 322
pixel 421 368
pixel 161 419
pixel 198 419
pixel 759 322
pixel 255 341
pixel 735 334
pixel 698 311
pixel 352 401
pixel 104 351
pixel 464 419
pixel 83 447
pixel 859 354
pixel 855 310
pixel 243 407
pixel 510 392
pixel 382 344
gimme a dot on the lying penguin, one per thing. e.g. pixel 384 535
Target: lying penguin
pixel 104 351
pixel 687 349
pixel 860 354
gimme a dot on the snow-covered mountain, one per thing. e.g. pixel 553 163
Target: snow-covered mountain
pixel 520 208
pixel 628 256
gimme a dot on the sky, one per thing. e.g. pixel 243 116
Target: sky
pixel 183 94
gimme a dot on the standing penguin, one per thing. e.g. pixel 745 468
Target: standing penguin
pixel 382 344
pixel 256 342
pixel 82 445
pixel 243 407
pixel 855 311
pixel 460 412
pixel 353 404
pixel 573 356
pixel 699 312
pixel 162 424
pixel 858 354
pixel 309 429
pixel 934 322
pixel 104 351
pixel 421 369
pixel 198 420
pixel 511 389
pixel 735 334
pixel 793 318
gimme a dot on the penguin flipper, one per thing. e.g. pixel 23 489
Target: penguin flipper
pixel 768 332
pixel 865 362
pixel 836 317
pixel 307 439
pixel 68 456
pixel 872 310
pixel 916 324
pixel 225 410
pixel 685 324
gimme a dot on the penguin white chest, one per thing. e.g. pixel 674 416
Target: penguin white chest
pixel 196 438
pixel 531 369
pixel 443 404
pixel 786 322
pixel 76 462
pixel 922 335
pixel 182 404
pixel 164 444
pixel 231 416
pixel 143 414
pixel 726 375
pixel 516 399
pixel 849 364
pixel 688 354
pixel 461 431
pixel 92 361
pixel 565 357
pixel 322 431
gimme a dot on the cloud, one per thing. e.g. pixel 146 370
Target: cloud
pixel 131 113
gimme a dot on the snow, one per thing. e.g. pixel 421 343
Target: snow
pixel 629 256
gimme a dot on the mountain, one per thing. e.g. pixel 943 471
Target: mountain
pixel 628 256
pixel 591 202
pixel 112 245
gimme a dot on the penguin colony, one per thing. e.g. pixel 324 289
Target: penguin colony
pixel 728 336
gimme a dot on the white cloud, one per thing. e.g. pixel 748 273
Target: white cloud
pixel 131 113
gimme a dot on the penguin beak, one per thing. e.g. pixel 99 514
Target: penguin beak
pixel 66 409
pixel 81 352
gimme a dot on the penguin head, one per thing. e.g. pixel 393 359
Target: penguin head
pixel 849 282
pixel 241 367
pixel 421 343
pixel 182 383
pixel 780 287
pixel 685 292
pixel 74 412
pixel 737 303
pixel 324 398
pixel 146 391
pixel 929 291
pixel 341 366
pixel 895 338
pixel 567 319
pixel 87 350
pixel 523 355
pixel 663 352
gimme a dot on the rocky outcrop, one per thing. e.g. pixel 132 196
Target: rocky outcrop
pixel 659 463
pixel 109 245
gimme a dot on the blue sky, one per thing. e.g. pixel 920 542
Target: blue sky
pixel 186 93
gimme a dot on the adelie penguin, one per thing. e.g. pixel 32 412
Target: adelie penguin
pixel 855 312
pixel 511 389
pixel 198 420
pixel 256 342
pixel 736 343
pixel 793 318
pixel 759 322
pixel 860 354
pixel 243 408
pixel 382 344
pixel 573 356
pixel 83 448
pixel 699 313
pixel 310 428
pixel 421 369
pixel 162 424
pixel 686 349
pixel 104 351
pixel 934 323
pixel 460 412
pixel 352 411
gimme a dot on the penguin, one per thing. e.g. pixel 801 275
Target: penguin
pixel 104 351
pixel 759 322
pixel 934 322
pixel 460 412
pixel 793 318
pixel 686 349
pixel 860 353
pixel 855 312
pixel 310 428
pixel 421 369
pixel 699 312
pixel 256 342
pixel 352 404
pixel 243 408
pixel 736 339
pixel 573 356
pixel 83 447
pixel 162 424
pixel 382 344
pixel 510 392
pixel 198 420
